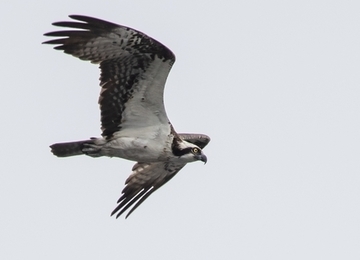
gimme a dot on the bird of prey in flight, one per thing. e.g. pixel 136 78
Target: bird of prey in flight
pixel 134 124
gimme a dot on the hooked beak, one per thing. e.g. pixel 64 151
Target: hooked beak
pixel 202 158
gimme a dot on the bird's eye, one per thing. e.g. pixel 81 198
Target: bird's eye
pixel 195 150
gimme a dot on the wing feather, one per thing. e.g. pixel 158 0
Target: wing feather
pixel 134 68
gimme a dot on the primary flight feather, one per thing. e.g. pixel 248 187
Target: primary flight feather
pixel 134 68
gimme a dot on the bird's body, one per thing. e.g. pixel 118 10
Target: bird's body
pixel 134 69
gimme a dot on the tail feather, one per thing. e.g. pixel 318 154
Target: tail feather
pixel 69 149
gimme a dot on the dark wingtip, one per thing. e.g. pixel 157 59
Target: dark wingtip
pixel 95 21
pixel 78 16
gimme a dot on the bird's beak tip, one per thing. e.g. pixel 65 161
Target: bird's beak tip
pixel 204 158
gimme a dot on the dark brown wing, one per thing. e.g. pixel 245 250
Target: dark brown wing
pixel 131 64
pixel 148 177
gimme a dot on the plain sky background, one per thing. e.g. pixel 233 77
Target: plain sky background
pixel 275 84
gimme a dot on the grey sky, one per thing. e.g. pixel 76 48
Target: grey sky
pixel 275 84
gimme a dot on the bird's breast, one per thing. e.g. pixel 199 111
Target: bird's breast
pixel 137 149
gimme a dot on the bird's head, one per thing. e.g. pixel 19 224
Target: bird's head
pixel 189 152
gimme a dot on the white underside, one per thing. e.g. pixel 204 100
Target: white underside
pixel 138 145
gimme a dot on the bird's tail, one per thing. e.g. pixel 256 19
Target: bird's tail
pixel 70 148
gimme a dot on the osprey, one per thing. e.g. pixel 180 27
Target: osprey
pixel 134 124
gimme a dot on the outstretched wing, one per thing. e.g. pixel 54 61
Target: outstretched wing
pixel 148 177
pixel 134 68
